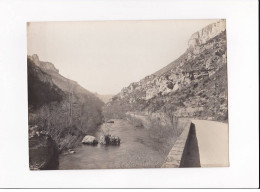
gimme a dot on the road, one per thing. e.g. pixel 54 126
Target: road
pixel 212 138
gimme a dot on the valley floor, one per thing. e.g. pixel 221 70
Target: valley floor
pixel 137 150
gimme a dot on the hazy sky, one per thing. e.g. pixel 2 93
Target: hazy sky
pixel 105 56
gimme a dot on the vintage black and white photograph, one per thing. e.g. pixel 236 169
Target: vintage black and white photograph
pixel 127 94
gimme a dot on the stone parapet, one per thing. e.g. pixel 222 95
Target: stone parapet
pixel 176 156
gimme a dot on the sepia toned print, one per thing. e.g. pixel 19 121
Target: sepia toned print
pixel 127 94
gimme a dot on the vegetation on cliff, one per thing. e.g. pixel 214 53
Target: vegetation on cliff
pixel 60 106
pixel 195 84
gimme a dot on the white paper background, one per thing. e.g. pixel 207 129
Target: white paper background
pixel 242 36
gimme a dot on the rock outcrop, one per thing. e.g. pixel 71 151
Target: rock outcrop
pixel 195 84
pixel 205 34
pixel 43 151
pixel 109 140
pixel 90 140
pixel 46 66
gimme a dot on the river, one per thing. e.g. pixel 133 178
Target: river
pixel 137 150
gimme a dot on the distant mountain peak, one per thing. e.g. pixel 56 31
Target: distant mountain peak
pixel 104 98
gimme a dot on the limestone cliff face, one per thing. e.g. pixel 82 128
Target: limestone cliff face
pixel 205 34
pixel 195 84
pixel 46 66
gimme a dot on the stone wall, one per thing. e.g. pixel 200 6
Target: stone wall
pixel 176 157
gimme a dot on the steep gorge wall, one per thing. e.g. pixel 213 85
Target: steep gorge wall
pixel 59 106
pixel 194 85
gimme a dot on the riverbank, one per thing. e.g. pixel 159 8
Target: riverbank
pixel 137 150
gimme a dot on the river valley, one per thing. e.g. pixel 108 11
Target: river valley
pixel 137 150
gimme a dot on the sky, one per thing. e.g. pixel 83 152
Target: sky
pixel 105 56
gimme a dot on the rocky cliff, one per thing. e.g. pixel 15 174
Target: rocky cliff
pixel 43 151
pixel 195 84
pixel 60 106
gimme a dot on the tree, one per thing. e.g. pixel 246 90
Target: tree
pixel 70 88
pixel 169 110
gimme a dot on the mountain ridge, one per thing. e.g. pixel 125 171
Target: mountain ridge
pixel 59 105
pixel 183 81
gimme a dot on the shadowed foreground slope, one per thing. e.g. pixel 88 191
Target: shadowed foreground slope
pixel 60 106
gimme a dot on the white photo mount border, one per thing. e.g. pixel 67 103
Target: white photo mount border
pixel 242 38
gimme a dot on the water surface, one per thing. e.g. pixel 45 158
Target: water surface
pixel 137 150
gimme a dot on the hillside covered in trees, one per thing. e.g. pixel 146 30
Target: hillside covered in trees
pixel 60 106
